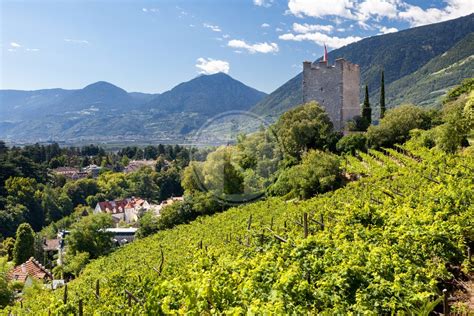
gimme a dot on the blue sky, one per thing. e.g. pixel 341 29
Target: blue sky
pixel 151 46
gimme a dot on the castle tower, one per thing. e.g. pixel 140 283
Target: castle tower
pixel 334 87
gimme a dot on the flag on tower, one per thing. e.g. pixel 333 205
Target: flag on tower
pixel 325 58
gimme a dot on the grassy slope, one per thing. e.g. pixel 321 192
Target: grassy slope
pixel 379 251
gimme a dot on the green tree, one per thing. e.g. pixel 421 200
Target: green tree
pixel 458 117
pixel 351 143
pixel 143 184
pixel 8 245
pixel 395 127
pixel 24 244
pixel 26 192
pixel 89 235
pixel 366 109
pixel 318 172
pixel 6 294
pixel 382 96
pixel 76 263
pixel 304 127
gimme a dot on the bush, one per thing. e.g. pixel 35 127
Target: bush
pixel 459 122
pixel 318 172
pixel 395 127
pixel 351 143
pixel 357 124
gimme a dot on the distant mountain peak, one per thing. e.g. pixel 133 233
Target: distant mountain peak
pixel 102 85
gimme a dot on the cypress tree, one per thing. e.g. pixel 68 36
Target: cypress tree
pixel 382 97
pixel 366 110
pixel 24 244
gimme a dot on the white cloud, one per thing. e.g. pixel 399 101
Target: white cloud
pixel 76 41
pixel 32 49
pixel 366 11
pixel 321 39
pixel 454 8
pixel 263 48
pixel 209 66
pixel 307 28
pixel 153 10
pixel 215 28
pixel 15 45
pixel 265 25
pixel 226 36
pixel 321 8
pixel 278 29
pixel 263 3
pixel 377 9
pixel 386 30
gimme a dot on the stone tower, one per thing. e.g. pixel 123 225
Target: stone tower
pixel 334 87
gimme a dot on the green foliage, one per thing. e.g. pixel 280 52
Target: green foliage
pixel 7 247
pixel 464 88
pixel 357 124
pixel 143 184
pixel 6 293
pixel 382 96
pixel 24 244
pixel 25 191
pixel 366 112
pixel 318 172
pixel 74 264
pixel 304 127
pixel 350 144
pixel 88 235
pixel 395 127
pixel 459 123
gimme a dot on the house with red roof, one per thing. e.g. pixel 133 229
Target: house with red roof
pixel 127 210
pixel 29 271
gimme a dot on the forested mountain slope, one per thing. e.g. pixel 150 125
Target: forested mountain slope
pixel 398 54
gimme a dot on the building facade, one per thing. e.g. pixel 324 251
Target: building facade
pixel 335 87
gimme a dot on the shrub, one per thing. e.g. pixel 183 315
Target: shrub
pixel 395 127
pixel 351 143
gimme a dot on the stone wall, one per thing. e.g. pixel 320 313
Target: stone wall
pixel 334 87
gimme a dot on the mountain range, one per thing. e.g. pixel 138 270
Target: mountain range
pixel 104 112
pixel 420 65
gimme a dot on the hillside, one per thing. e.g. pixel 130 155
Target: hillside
pixel 387 243
pixel 435 78
pixel 398 54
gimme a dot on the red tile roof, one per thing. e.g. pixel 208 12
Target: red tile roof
pixel 30 268
pixel 119 206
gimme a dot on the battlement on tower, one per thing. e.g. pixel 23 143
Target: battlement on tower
pixel 335 87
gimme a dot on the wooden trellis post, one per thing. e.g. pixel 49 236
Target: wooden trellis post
pixel 97 289
pixel 65 294
pixel 305 224
pixel 445 302
pixel 80 312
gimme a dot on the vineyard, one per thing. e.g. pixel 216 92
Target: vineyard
pixel 388 242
